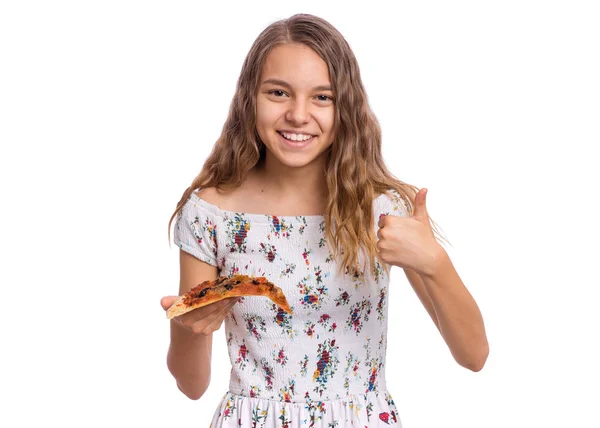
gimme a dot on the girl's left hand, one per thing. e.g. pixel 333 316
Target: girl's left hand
pixel 408 242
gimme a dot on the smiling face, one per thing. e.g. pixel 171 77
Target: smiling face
pixel 294 107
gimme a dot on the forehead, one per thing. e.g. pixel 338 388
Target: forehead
pixel 297 64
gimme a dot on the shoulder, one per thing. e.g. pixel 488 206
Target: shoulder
pixel 234 199
pixel 391 202
pixel 216 197
pixel 201 203
pixel 209 194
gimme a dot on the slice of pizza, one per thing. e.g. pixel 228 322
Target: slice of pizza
pixel 212 291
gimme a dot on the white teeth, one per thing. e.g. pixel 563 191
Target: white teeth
pixel 296 137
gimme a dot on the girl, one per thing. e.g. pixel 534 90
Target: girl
pixel 296 190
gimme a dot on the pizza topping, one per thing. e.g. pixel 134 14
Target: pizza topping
pixel 222 283
pixel 223 287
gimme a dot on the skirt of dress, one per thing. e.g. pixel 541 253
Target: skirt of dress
pixel 371 410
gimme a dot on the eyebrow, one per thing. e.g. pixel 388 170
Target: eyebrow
pixel 287 85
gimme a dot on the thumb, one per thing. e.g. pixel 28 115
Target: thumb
pixel 167 301
pixel 420 211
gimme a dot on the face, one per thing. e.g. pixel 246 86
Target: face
pixel 295 107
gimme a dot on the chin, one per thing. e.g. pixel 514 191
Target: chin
pixel 292 162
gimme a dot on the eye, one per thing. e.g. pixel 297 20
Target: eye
pixel 277 93
pixel 324 98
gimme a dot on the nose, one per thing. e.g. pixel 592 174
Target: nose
pixel 298 112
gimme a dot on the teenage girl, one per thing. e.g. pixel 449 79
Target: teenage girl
pixel 296 190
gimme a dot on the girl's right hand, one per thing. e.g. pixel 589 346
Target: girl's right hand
pixel 204 320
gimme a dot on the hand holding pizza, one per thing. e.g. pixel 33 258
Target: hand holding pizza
pixel 204 320
pixel 203 308
pixel 408 242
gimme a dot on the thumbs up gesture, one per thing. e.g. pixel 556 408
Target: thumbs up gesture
pixel 409 242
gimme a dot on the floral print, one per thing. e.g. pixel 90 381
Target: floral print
pixel 254 323
pixel 287 391
pixel 343 299
pixel 242 359
pixel 258 417
pixel 283 320
pixel 279 228
pixel 328 324
pixel 288 271
pixel 312 294
pixel 303 364
pixel 268 373
pixel 208 229
pixel 322 365
pixel 352 368
pixel 327 364
pixel 269 251
pixel 279 357
pixel 381 305
pixel 359 314
pixel 237 232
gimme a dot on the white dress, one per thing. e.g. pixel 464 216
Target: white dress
pixel 323 365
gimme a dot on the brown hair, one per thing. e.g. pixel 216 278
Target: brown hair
pixel 356 173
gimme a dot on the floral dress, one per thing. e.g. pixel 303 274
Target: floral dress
pixel 323 365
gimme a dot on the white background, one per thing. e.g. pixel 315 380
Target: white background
pixel 108 110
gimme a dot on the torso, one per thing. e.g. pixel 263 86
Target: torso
pixel 324 362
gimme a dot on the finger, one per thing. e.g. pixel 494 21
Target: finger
pixel 382 218
pixel 220 313
pixel 215 325
pixel 218 307
pixel 203 312
pixel 228 304
pixel 167 301
pixel 420 211
pixel 213 321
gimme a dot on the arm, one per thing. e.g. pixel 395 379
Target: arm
pixel 453 310
pixel 419 288
pixel 189 355
pixel 408 242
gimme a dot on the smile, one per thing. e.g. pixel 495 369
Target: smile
pixel 295 137
pixel 300 141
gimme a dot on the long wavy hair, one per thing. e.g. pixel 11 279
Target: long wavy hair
pixel 355 171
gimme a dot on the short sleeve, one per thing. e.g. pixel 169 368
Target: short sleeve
pixel 196 232
pixel 391 203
